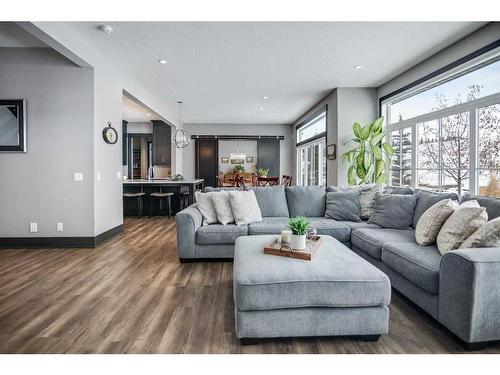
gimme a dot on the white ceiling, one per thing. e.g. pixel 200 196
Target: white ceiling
pixel 133 111
pixel 11 35
pixel 222 71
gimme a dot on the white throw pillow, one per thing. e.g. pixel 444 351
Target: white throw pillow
pixel 222 206
pixel 206 207
pixel 461 224
pixel 245 207
pixel 488 235
pixel 432 220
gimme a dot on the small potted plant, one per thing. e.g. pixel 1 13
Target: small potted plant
pixel 239 169
pixel 263 172
pixel 298 225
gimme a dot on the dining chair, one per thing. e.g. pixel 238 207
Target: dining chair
pixel 267 181
pixel 286 180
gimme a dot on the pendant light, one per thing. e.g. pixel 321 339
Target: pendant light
pixel 180 138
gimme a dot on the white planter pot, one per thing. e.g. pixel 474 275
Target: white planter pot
pixel 298 242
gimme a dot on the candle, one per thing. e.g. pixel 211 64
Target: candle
pixel 286 236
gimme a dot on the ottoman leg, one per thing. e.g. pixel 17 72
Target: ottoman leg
pixel 249 341
pixel 371 338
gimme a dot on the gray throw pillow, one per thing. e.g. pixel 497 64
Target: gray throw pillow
pixel 393 210
pixel 343 206
pixel 427 199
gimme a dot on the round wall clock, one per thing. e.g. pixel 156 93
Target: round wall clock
pixel 110 134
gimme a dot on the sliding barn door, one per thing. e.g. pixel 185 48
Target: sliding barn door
pixel 207 160
pixel 268 155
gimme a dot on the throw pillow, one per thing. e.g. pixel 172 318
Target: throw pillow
pixel 366 197
pixel 393 210
pixel 245 207
pixel 343 205
pixel 206 207
pixel 222 206
pixel 461 224
pixel 432 220
pixel 426 199
pixel 488 235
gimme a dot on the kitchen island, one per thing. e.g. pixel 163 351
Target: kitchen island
pixel 179 188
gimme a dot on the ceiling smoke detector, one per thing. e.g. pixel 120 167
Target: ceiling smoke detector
pixel 105 28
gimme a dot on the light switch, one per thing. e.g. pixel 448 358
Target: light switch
pixel 60 227
pixel 33 227
pixel 98 176
pixel 78 176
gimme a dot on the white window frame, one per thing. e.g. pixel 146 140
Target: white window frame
pixel 321 142
pixel 471 107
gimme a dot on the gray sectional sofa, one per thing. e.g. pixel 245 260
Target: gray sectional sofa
pixel 460 289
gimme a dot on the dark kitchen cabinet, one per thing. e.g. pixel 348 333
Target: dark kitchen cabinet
pixel 162 146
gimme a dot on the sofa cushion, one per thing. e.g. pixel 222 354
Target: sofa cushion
pixel 306 201
pixel 360 224
pixel 218 234
pixel 268 225
pixel 336 278
pixel 491 204
pixel 488 235
pixel 366 197
pixel 371 240
pixel 330 227
pixel 343 205
pixel 393 210
pixel 272 201
pixel 427 199
pixel 418 264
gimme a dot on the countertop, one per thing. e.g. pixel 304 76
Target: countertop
pixel 187 181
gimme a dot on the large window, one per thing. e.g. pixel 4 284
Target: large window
pixel 446 137
pixel 311 150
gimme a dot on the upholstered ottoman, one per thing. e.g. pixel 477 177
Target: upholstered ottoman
pixel 338 293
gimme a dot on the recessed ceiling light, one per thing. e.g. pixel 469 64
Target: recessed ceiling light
pixel 147 114
pixel 162 61
pixel 105 28
pixel 358 67
pixel 265 97
pixel 261 108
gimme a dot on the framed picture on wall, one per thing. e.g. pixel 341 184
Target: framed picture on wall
pixel 237 161
pixel 331 152
pixel 249 159
pixel 224 159
pixel 12 125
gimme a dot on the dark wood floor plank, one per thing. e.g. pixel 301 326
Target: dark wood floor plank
pixel 131 295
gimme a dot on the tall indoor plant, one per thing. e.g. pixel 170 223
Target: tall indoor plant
pixel 369 160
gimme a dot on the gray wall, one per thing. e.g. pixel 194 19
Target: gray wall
pixel 471 43
pixel 38 186
pixel 286 146
pixel 249 148
pixel 345 106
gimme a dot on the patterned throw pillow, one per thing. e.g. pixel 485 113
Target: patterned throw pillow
pixel 432 220
pixel 461 224
pixel 488 235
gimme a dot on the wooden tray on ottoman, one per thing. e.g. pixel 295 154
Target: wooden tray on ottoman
pixel 275 248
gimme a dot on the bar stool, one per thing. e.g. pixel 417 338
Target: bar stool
pixel 184 200
pixel 159 197
pixel 138 196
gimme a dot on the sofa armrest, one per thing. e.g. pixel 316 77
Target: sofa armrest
pixel 469 293
pixel 187 221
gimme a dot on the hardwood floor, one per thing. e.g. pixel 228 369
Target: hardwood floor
pixel 131 295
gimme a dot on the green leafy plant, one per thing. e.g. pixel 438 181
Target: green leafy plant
pixel 177 177
pixel 239 169
pixel 298 225
pixel 369 160
pixel 263 172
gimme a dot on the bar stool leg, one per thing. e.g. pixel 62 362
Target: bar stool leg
pixel 151 200
pixel 139 206
pixel 169 207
